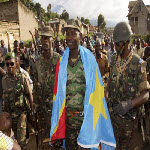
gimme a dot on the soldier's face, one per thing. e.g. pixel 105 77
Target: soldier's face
pixel 72 38
pixel 46 42
pixel 11 66
pixel 119 46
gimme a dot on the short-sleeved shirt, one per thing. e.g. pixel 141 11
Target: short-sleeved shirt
pixel 75 92
pixel 6 143
pixel 4 50
pixel 130 83
pixel 14 91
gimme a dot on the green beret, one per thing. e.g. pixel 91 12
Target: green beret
pixel 10 55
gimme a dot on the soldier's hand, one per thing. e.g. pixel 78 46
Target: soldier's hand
pixel 58 143
pixel 123 107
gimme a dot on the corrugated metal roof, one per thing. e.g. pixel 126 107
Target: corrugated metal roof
pixel 54 21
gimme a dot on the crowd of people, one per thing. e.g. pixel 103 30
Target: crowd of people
pixel 64 71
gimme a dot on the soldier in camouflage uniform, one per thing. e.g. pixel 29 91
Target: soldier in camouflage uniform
pixel 75 89
pixel 128 89
pixel 15 88
pixel 44 75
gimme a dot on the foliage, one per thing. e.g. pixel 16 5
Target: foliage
pixel 82 19
pixel 90 34
pixel 49 8
pixel 40 12
pixel 101 22
pixel 26 43
pixel 136 36
pixel 60 36
pixel 64 15
pixel 3 1
pixel 147 37
pixel 86 21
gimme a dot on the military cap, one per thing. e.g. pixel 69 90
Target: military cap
pixel 47 31
pixel 10 55
pixel 73 23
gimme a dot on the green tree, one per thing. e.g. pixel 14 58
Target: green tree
pixel 82 19
pixel 3 1
pixel 87 21
pixel 40 12
pixel 49 8
pixel 78 18
pixel 101 22
pixel 64 15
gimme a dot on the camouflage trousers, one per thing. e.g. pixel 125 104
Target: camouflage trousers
pixel 19 126
pixel 127 134
pixel 71 139
pixel 44 122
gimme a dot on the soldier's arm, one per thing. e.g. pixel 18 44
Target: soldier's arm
pixel 28 91
pixel 106 64
pixel 143 86
pixel 106 93
pixel 2 71
pixel 35 84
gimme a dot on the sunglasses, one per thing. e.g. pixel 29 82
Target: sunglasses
pixel 118 43
pixel 11 64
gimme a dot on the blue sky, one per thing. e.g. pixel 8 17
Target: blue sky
pixel 113 10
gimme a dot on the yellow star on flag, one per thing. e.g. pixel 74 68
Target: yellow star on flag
pixel 96 100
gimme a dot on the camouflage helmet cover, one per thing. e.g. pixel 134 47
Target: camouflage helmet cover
pixel 47 31
pixel 73 23
pixel 122 32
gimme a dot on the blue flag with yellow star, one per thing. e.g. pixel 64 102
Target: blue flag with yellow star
pixel 96 131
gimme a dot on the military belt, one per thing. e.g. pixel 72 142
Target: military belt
pixel 76 114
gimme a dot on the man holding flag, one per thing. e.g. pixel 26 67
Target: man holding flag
pixel 80 114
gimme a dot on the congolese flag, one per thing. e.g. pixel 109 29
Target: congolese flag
pixel 96 128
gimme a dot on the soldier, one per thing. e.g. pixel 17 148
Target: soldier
pixel 44 75
pixel 73 84
pixel 128 89
pixel 15 89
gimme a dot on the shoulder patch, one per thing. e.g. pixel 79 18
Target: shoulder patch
pixel 143 66
pixel 141 61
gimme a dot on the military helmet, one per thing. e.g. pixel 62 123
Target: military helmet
pixel 73 23
pixel 47 31
pixel 122 32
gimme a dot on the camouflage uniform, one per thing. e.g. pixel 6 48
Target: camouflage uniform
pixel 15 90
pixel 128 86
pixel 44 76
pixel 75 93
